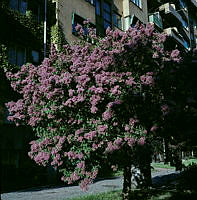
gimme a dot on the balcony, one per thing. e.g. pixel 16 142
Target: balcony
pixel 170 9
pixel 183 12
pixel 173 32
pixel 186 32
pixel 195 32
pixel 155 18
pixel 194 2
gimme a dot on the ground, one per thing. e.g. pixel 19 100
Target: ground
pixel 101 185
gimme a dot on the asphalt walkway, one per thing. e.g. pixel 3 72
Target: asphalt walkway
pixel 67 192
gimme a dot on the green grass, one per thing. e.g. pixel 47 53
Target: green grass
pixel 161 165
pixel 113 195
pixel 118 173
pixel 190 161
pixel 151 194
pixel 167 166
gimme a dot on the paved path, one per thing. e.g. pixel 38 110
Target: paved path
pixel 64 193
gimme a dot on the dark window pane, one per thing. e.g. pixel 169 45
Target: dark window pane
pixel 98 7
pixel 36 13
pixel 106 24
pixel 107 16
pixel 35 56
pixel 23 7
pixel 12 55
pixel 14 4
pixel 20 56
pixel 117 20
pixel 106 7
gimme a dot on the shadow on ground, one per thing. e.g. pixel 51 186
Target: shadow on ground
pixel 166 187
pixel 168 180
pixel 162 194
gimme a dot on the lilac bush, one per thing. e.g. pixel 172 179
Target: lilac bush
pixel 93 101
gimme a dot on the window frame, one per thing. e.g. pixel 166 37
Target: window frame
pixel 16 55
pixel 18 7
pixel 109 12
pixel 98 2
pixel 74 24
pixel 118 25
pixel 38 56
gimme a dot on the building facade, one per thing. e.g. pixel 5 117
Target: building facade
pixel 102 14
pixel 176 18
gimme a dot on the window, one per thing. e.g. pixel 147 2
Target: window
pixel 117 20
pixel 16 55
pixel 19 5
pixel 36 13
pixel 76 19
pixel 14 4
pixel 98 7
pixel 137 2
pixel 107 19
pixel 35 56
pixel 134 21
pixel 23 7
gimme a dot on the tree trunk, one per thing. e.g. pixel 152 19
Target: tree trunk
pixel 137 170
pixel 126 182
pixel 146 172
pixel 141 175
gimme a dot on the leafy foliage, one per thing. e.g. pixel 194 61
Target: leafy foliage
pixel 57 36
pixel 187 180
pixel 94 101
pixel 25 21
pixel 3 57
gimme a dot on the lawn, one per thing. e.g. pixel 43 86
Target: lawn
pixel 161 165
pixel 101 196
pixel 190 161
pixel 167 166
pixel 151 194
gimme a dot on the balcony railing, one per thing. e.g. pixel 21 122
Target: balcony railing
pixel 194 2
pixel 170 8
pixel 173 32
pixel 187 32
pixel 156 19
pixel 195 32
